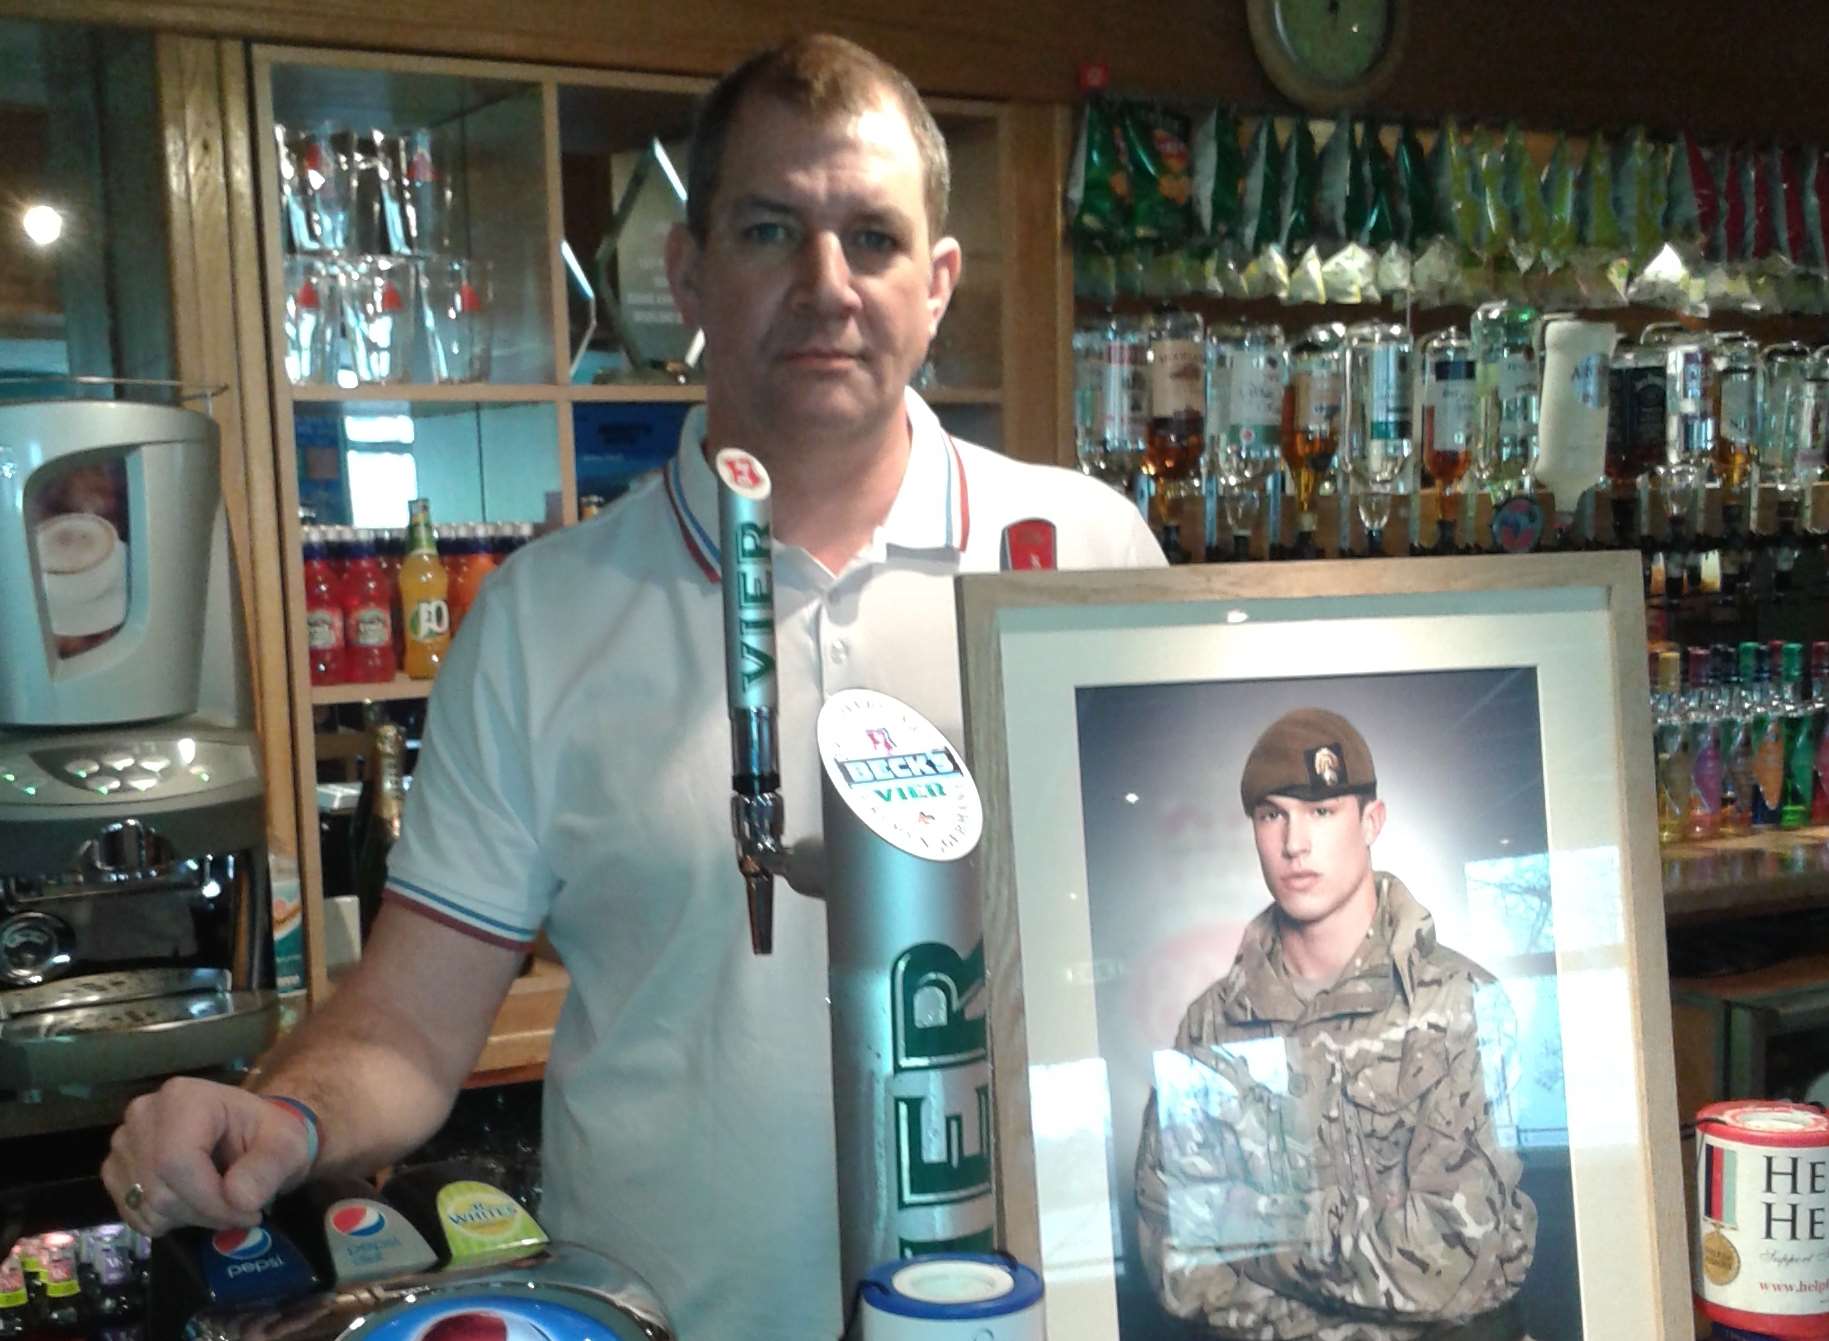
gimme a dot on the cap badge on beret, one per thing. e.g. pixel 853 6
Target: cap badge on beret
pixel 1325 766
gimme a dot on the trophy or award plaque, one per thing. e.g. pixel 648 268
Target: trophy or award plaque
pixel 631 269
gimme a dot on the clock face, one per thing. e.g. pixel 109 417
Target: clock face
pixel 1334 41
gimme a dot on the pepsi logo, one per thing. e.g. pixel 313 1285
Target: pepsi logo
pixel 357 1219
pixel 241 1245
pixel 483 1325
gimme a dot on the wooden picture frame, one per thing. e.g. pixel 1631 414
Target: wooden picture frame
pixel 1109 716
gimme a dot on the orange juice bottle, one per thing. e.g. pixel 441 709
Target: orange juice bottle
pixel 422 597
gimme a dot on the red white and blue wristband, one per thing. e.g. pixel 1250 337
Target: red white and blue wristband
pixel 304 1114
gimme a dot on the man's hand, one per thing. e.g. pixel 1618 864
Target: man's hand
pixel 200 1153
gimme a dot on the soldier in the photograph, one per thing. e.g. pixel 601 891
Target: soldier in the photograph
pixel 1320 1157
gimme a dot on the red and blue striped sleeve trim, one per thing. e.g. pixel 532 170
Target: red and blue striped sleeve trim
pixel 448 912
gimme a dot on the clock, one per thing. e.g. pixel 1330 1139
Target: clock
pixel 1326 55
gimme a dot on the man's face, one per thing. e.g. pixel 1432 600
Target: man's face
pixel 817 286
pixel 1316 855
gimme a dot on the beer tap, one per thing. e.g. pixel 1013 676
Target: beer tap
pixel 751 691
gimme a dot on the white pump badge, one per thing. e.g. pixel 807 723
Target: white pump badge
pixel 899 775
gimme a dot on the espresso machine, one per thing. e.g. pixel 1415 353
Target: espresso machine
pixel 134 903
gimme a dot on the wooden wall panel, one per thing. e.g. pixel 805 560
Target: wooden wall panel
pixel 1724 70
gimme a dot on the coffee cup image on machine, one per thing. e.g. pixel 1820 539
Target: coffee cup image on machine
pixel 439 1254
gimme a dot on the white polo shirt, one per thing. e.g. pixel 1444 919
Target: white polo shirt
pixel 575 776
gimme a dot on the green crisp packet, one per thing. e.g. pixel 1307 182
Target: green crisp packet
pixel 1496 231
pixel 1162 176
pixel 1451 180
pixel 1098 180
pixel 1348 266
pixel 1523 194
pixel 1261 193
pixel 1673 276
pixel 1638 187
pixel 1377 187
pixel 1601 265
pixel 1215 263
pixel 1416 217
pixel 1295 226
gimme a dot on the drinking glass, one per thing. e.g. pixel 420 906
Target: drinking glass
pixel 418 196
pixel 314 176
pixel 380 305
pixel 459 310
pixel 313 314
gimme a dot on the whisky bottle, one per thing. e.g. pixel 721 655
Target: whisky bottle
pixel 381 825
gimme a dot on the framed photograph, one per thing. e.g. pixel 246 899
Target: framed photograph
pixel 1325 946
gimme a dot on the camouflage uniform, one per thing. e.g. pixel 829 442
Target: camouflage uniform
pixel 1332 1168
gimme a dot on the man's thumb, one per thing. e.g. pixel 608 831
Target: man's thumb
pixel 265 1168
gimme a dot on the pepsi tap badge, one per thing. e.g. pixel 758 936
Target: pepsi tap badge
pixel 245 1266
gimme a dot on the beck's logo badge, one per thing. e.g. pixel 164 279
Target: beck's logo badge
pixel 1325 767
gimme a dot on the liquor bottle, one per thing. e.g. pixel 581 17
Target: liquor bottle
pixel 1768 741
pixel 1800 743
pixel 1450 422
pixel 1313 407
pixel 1177 409
pixel 1673 771
pixel 1572 413
pixel 1736 425
pixel 1736 754
pixel 1088 390
pixel 1819 706
pixel 1126 398
pixel 1380 429
pixel 386 799
pixel 1702 806
pixel 368 614
pixel 323 610
pixel 1505 366
pixel 423 586
pixel 1635 431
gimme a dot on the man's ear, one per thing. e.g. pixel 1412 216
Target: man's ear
pixel 683 274
pixel 1371 820
pixel 943 279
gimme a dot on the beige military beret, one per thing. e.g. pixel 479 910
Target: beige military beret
pixel 1309 754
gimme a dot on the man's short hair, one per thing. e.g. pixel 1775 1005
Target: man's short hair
pixel 824 76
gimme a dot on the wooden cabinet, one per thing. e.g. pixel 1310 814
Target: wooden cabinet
pixel 537 158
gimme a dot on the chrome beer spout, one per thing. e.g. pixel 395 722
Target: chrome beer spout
pixel 748 579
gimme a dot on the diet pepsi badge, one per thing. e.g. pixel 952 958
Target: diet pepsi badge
pixel 368 1240
pixel 242 1266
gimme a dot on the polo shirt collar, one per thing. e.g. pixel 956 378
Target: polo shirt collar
pixel 931 511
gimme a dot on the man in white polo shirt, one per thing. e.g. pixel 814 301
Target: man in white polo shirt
pixel 576 768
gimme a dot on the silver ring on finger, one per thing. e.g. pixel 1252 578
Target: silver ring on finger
pixel 135 1197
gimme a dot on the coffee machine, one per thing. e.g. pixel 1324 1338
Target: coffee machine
pixel 134 904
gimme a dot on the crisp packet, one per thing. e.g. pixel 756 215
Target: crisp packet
pixel 1259 207
pixel 1161 170
pixel 1342 202
pixel 1673 277
pixel 1413 207
pixel 1296 226
pixel 1378 233
pixel 1726 286
pixel 1098 178
pixel 1813 278
pixel 1556 281
pixel 1438 274
pixel 1217 261
pixel 1766 254
pixel 1523 195
pixel 1600 264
